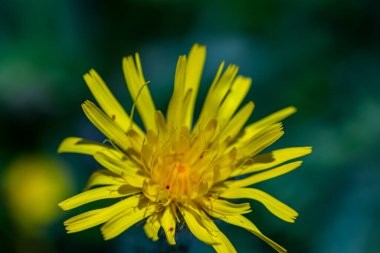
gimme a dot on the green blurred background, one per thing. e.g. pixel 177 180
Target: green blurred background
pixel 321 56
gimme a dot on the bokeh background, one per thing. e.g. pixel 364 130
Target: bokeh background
pixel 321 56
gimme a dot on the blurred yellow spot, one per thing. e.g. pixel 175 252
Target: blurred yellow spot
pixel 33 185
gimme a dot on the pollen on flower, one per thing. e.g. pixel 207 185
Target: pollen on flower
pixel 113 117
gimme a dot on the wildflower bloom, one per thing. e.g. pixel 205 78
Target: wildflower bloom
pixel 175 171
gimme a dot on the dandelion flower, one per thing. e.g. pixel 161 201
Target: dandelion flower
pixel 175 171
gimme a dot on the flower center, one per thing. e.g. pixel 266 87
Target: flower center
pixel 181 166
pixel 177 181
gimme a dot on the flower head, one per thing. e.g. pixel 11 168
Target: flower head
pixel 174 171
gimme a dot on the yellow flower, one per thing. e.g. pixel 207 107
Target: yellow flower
pixel 175 171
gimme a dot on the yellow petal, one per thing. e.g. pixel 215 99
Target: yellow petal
pixel 103 177
pixel 233 99
pixel 196 227
pixel 132 175
pixel 194 69
pixel 108 102
pixel 118 224
pixel 147 156
pixel 162 128
pixel 217 76
pixel 183 118
pixel 168 223
pixel 136 142
pixel 139 90
pixel 257 126
pixel 215 95
pixel 79 145
pixel 153 192
pixel 151 227
pixel 106 192
pixel 222 245
pixel 262 176
pixel 152 138
pixel 275 206
pixel 106 125
pixel 234 126
pixel 241 221
pixel 98 216
pixel 184 140
pixel 212 205
pixel 175 108
pixel 86 220
pixel 225 166
pixel 259 142
pixel 201 142
pixel 273 158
